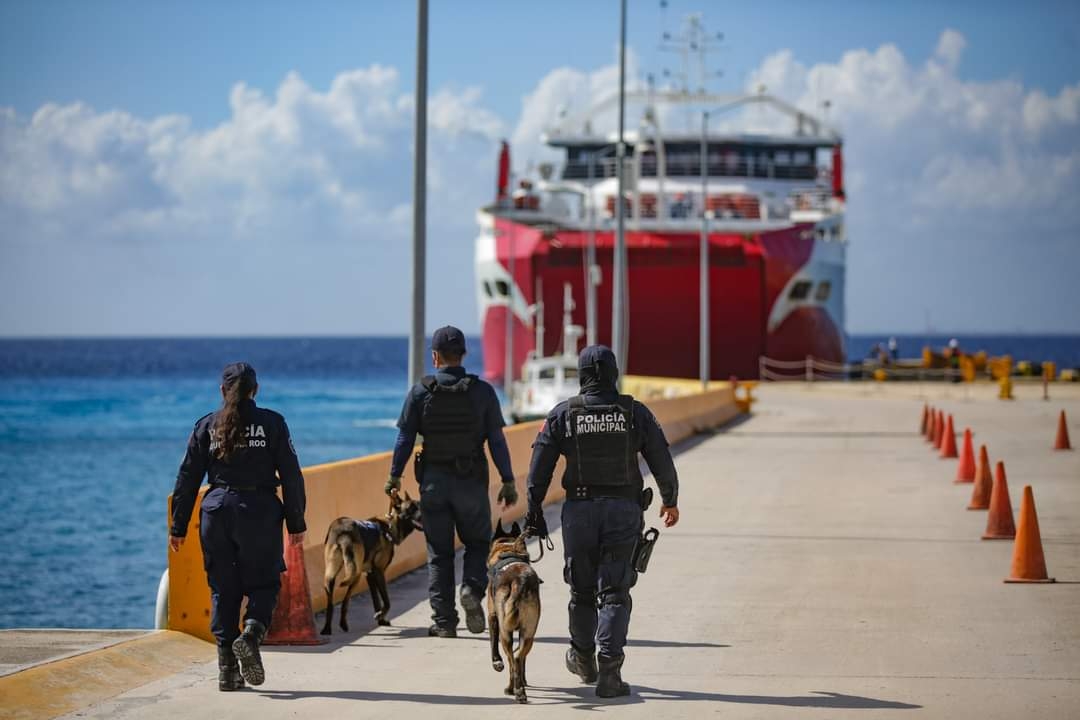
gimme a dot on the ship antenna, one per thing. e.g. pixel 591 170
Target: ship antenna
pixel 693 44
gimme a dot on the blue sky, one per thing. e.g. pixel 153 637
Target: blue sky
pixel 169 196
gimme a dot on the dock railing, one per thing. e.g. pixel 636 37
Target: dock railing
pixel 811 369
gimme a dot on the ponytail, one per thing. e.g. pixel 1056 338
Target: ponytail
pixel 228 430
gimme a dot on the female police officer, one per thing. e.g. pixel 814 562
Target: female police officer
pixel 247 452
pixel 601 433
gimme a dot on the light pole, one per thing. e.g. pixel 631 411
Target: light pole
pixel 416 335
pixel 508 372
pixel 590 260
pixel 703 331
pixel 619 294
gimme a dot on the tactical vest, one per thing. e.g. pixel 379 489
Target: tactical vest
pixel 601 436
pixel 449 423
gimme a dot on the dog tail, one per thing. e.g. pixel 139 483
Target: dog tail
pixel 348 556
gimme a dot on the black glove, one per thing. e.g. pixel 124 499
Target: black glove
pixel 508 494
pixel 535 524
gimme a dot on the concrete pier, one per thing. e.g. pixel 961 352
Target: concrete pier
pixel 825 566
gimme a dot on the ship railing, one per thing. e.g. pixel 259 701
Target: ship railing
pixel 813 369
pixel 689 166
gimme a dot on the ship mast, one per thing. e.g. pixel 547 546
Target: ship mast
pixel 619 315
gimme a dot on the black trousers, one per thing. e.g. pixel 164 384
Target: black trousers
pixel 242 553
pixel 449 503
pixel 598 539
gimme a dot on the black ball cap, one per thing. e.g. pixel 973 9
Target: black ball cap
pixel 448 340
pixel 238 371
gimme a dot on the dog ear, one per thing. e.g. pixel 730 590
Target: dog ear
pixel 515 530
pixel 498 531
pixel 407 498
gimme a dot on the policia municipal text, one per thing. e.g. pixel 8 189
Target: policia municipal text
pixel 455 412
pixel 247 452
pixel 600 432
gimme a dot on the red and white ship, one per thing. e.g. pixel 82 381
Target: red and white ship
pixel 775 227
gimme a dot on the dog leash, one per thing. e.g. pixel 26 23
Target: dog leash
pixel 543 541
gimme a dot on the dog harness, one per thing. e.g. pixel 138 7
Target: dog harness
pixel 504 561
pixel 369 533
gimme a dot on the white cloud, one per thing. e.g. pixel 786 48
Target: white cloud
pixel 307 188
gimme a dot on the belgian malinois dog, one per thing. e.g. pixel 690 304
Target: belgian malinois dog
pixel 366 548
pixel 513 599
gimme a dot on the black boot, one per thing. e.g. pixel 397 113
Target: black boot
pixel 582 665
pixel 610 684
pixel 246 648
pixel 229 677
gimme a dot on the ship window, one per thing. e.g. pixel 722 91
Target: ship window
pixel 502 288
pixel 570 373
pixel 487 288
pixel 824 289
pixel 800 290
pixel 547 373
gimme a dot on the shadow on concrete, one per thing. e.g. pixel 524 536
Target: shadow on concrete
pixel 641 643
pixel 816 698
pixel 584 698
pixel 377 696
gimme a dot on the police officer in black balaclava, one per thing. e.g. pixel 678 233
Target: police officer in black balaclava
pixel 600 433
pixel 246 451
pixel 456 413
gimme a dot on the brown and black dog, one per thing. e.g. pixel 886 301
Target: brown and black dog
pixel 513 599
pixel 366 548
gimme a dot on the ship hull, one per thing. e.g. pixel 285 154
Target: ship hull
pixel 759 302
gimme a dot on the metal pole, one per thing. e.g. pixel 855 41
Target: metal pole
pixel 590 262
pixel 618 297
pixel 508 371
pixel 416 336
pixel 703 337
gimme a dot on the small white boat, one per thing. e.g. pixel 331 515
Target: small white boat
pixel 547 381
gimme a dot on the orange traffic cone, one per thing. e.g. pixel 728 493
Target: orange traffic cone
pixel 293 622
pixel 925 420
pixel 999 521
pixel 1028 563
pixel 939 430
pixel 980 494
pixel 965 472
pixel 930 422
pixel 948 440
pixel 1062 440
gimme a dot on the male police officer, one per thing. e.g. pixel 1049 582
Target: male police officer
pixel 601 433
pixel 455 412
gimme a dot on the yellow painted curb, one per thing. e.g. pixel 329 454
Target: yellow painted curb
pixel 56 688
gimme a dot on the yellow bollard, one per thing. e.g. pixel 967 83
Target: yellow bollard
pixel 1049 369
pixel 1005 388
pixel 880 375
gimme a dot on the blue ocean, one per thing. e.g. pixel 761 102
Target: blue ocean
pixel 92 432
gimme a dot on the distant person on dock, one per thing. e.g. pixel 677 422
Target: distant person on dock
pixel 894 353
pixel 247 452
pixel 600 432
pixel 456 413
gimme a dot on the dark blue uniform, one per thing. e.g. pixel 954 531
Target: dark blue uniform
pixel 601 519
pixel 454 494
pixel 241 516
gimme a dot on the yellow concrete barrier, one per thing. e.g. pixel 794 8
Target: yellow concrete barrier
pixel 354 488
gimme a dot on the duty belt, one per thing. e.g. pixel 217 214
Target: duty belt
pixel 589 492
pixel 244 488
